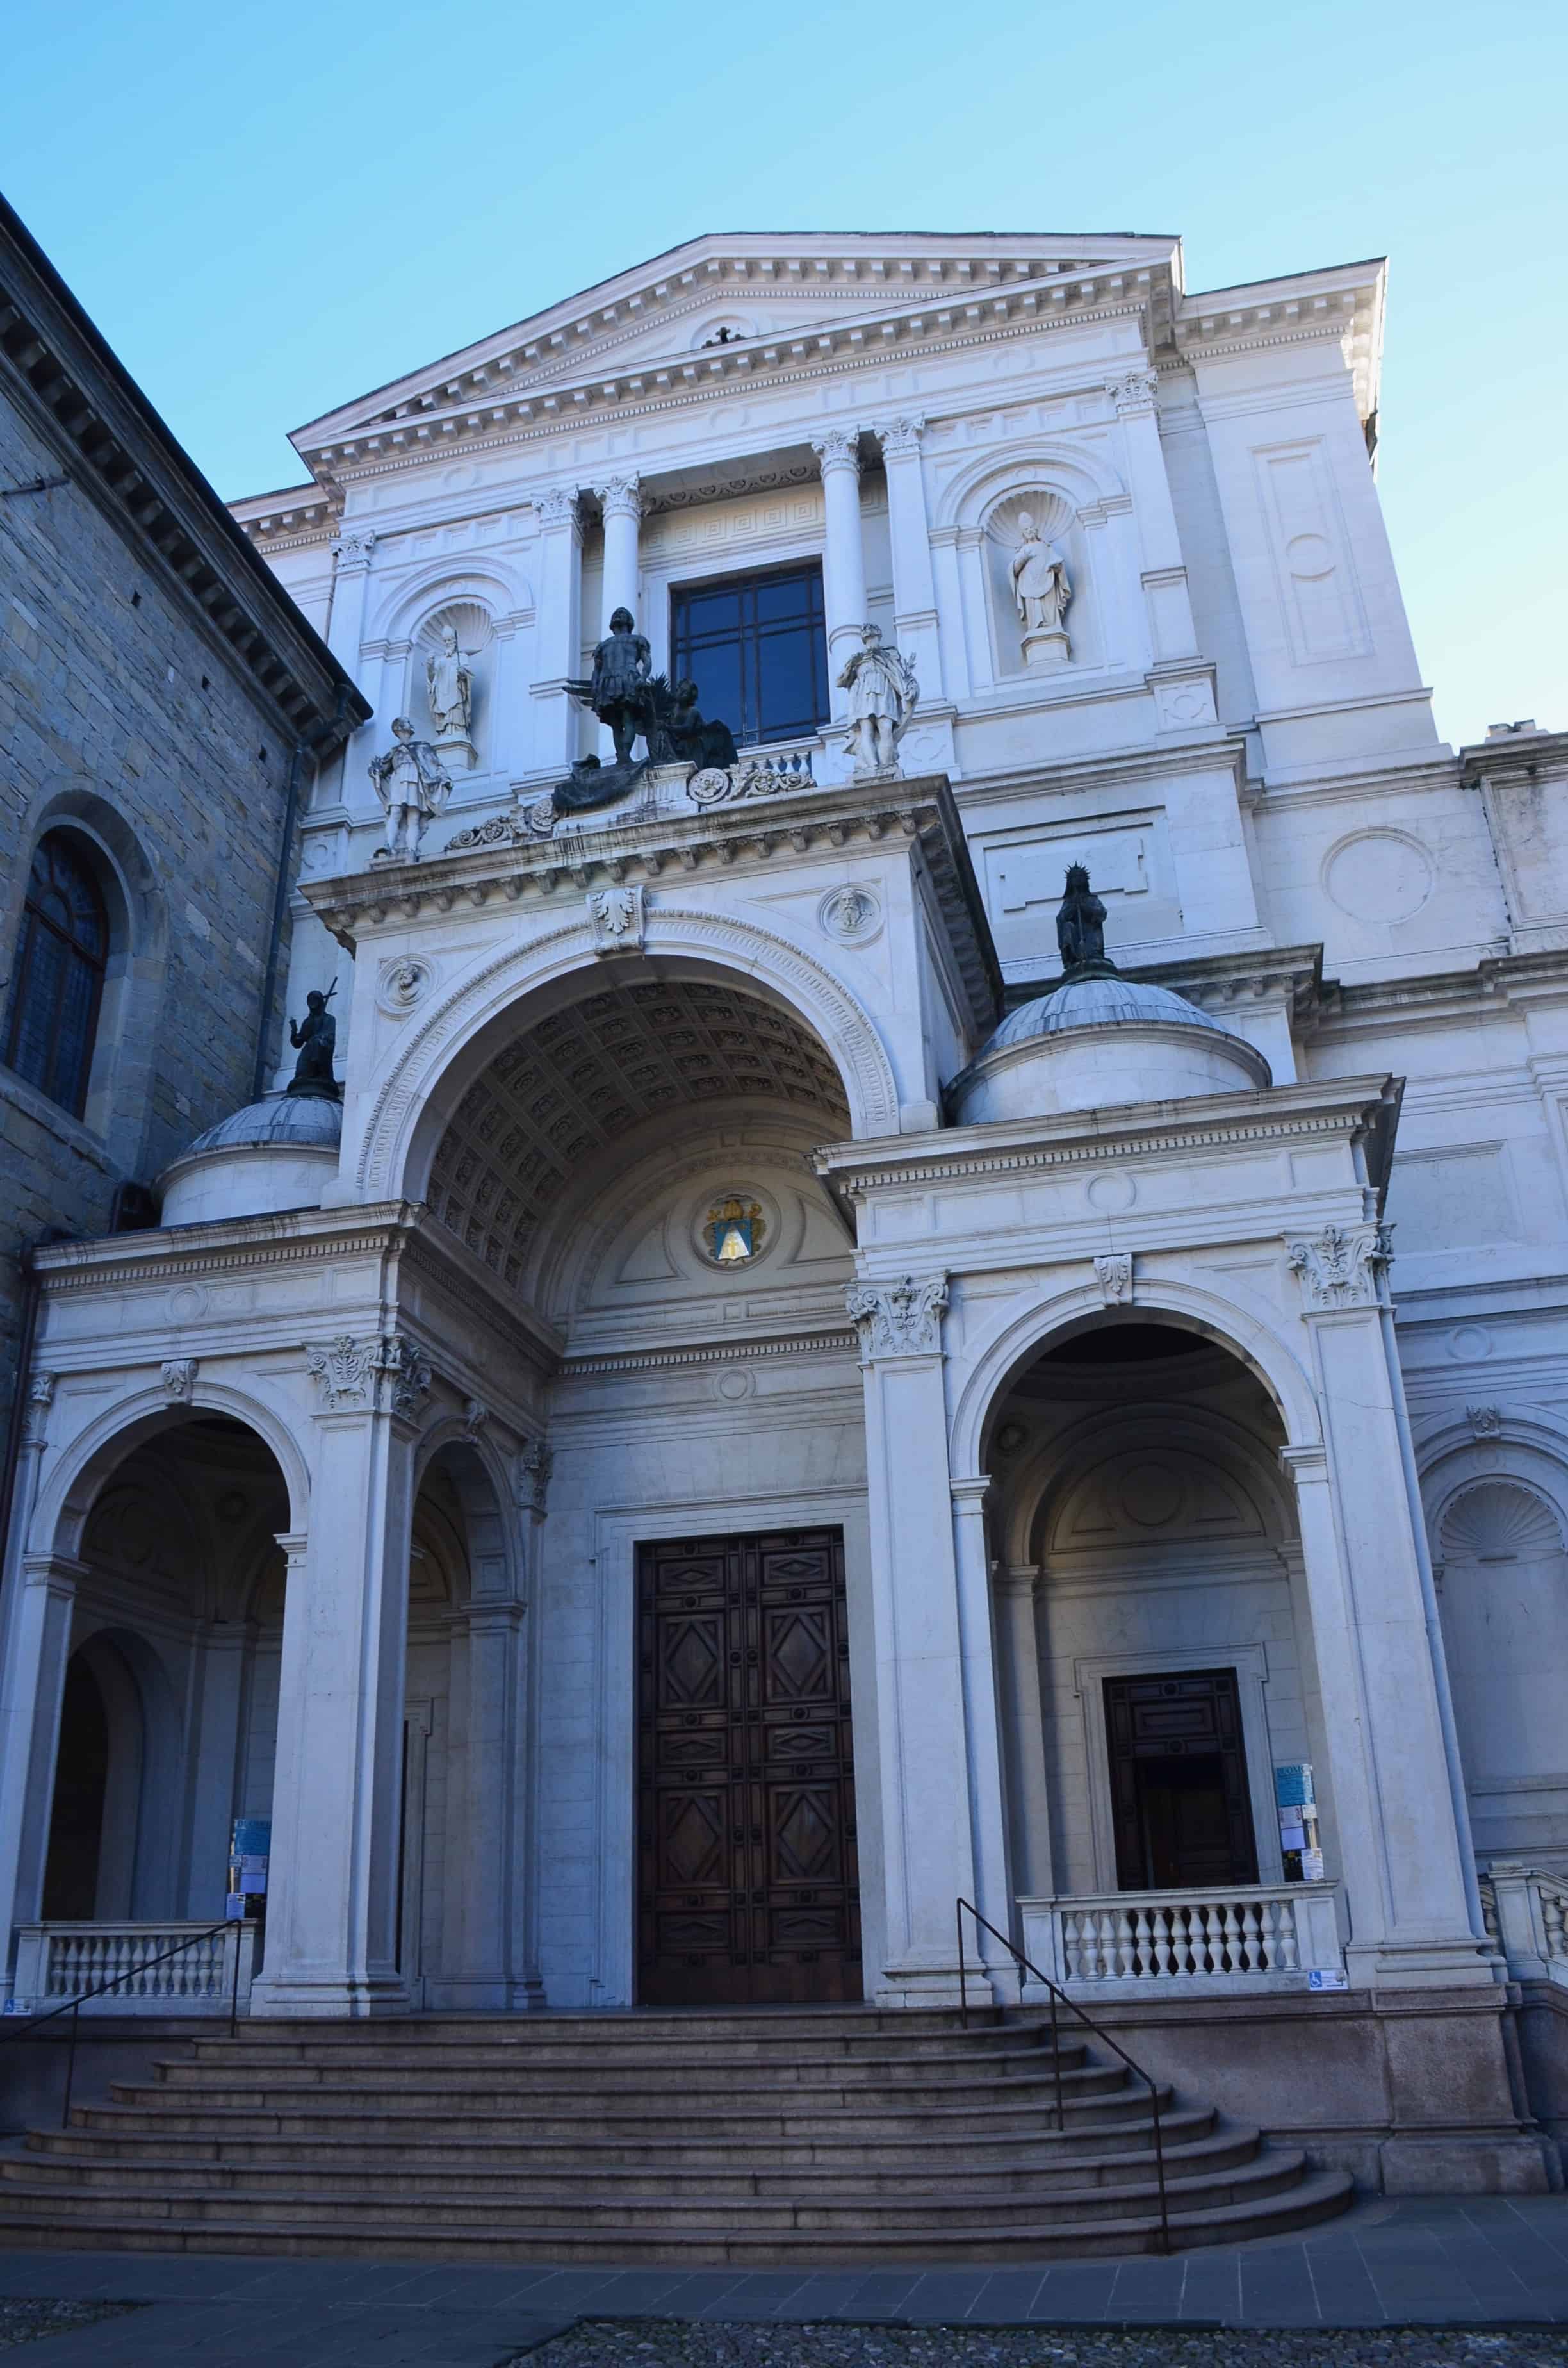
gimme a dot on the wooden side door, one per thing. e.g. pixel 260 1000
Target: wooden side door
pixel 1179 1794
pixel 746 1868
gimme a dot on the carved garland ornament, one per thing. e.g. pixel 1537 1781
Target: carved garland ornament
pixel 391 1370
pixel 898 1319
pixel 1341 1269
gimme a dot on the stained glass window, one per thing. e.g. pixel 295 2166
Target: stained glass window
pixel 52 1015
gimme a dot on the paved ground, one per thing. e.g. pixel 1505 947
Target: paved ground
pixel 1486 2263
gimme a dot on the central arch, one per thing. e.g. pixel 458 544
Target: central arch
pixel 425 1087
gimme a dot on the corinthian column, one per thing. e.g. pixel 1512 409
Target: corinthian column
pixel 622 507
pixel 844 559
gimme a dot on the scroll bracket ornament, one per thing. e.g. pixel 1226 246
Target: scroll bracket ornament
pixel 1113 1272
pixel 1342 1267
pixel 898 1319
pixel 179 1378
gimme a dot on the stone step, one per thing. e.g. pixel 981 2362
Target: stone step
pixel 687 2074
pixel 333 2169
pixel 539 2040
pixel 1310 2198
pixel 636 2026
pixel 758 2124
pixel 184 2198
pixel 146 2138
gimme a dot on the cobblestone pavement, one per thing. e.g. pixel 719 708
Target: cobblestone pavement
pixel 24 2322
pixel 648 2343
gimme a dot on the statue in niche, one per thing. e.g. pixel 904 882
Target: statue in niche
pixel 413 788
pixel 450 684
pixel 314 1038
pixel 1080 929
pixel 883 694
pixel 1040 593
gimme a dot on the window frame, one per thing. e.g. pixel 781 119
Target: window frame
pixel 749 637
pixel 37 926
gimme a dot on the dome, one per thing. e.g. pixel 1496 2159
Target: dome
pixel 1101 1040
pixel 276 1154
pixel 1113 1002
pixel 284 1119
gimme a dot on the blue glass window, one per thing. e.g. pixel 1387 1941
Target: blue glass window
pixel 57 986
pixel 756 648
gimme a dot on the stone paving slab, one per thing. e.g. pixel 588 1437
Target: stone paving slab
pixel 1483 2262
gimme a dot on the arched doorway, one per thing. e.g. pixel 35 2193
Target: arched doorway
pixel 1155 1660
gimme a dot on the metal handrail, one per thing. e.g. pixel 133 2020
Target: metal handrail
pixel 983 1923
pixel 69 2005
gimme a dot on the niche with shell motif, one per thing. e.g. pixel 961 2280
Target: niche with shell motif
pixel 1036 632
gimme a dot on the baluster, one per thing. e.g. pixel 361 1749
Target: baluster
pixel 1088 1953
pixel 1140 1968
pixel 1123 1945
pixel 1554 1921
pixel 1290 1937
pixel 1107 1945
pixel 1231 1958
pixel 1256 1936
pixel 1163 1918
pixel 1072 1952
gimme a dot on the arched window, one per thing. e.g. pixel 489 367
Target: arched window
pixel 58 982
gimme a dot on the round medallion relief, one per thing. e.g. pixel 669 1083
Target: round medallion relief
pixel 1378 875
pixel 1112 1192
pixel 851 915
pixel 733 1384
pixel 187 1304
pixel 1468 1343
pixel 403 982
pixel 1150 1496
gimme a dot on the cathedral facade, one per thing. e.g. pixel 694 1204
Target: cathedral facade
pixel 937 1316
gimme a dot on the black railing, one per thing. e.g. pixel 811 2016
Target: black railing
pixel 984 1924
pixel 100 1989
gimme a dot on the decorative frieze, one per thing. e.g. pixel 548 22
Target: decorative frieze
pixel 1342 1267
pixel 898 1319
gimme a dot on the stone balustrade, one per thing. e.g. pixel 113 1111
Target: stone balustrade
pixel 1526 1909
pixel 56 1962
pixel 1240 1939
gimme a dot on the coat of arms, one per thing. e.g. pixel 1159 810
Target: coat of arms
pixel 733 1230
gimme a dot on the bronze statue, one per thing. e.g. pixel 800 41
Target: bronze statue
pixel 682 730
pixel 314 1038
pixel 1080 929
pixel 618 689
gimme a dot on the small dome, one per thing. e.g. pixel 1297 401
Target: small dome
pixel 1113 1002
pixel 291 1121
pixel 1098 1042
pixel 274 1154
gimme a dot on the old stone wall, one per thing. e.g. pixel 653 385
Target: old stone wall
pixel 122 719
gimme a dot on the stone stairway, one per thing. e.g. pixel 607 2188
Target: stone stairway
pixel 780 2139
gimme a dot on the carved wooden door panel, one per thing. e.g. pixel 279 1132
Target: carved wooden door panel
pixel 746 1871
pixel 1179 1793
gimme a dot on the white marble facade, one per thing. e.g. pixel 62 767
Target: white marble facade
pixel 445 1401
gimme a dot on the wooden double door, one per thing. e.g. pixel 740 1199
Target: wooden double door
pixel 1178 1781
pixel 745 1845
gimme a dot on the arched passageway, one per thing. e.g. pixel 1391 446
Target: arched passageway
pixel 1155 1642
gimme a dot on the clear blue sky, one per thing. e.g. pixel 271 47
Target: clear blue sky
pixel 270 209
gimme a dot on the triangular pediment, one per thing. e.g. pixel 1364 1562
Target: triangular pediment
pixel 721 304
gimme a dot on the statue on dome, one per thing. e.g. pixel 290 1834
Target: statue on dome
pixel 450 686
pixel 314 1038
pixel 1040 592
pixel 412 786
pixel 882 698
pixel 1080 928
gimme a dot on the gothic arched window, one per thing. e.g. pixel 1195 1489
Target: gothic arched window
pixel 57 985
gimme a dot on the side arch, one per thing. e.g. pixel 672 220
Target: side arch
pixel 422 1089
pixel 1016 1341
pixel 1084 477
pixel 83 1466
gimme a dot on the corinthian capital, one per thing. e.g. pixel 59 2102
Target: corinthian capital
pixel 1133 391
pixel 557 506
pixel 838 447
pixel 618 498
pixel 899 436
pixel 898 1319
pixel 352 546
pixel 1342 1267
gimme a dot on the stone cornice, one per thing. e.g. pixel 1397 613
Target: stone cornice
pixel 590 1365
pixel 1293 974
pixel 1497 979
pixel 1363 1107
pixel 66 379
pixel 737 838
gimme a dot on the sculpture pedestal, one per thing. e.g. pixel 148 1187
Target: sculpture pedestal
pixel 1046 648
pixel 456 753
